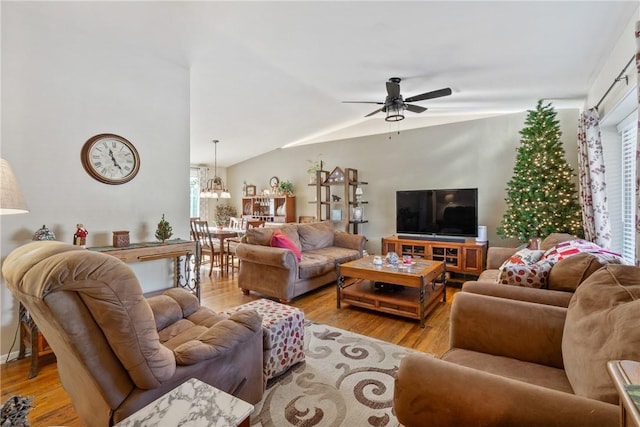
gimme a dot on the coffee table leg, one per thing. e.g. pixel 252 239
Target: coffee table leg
pixel 444 283
pixel 339 288
pixel 422 301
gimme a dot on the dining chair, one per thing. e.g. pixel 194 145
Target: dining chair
pixel 255 223
pixel 306 219
pixel 208 245
pixel 192 232
pixel 235 223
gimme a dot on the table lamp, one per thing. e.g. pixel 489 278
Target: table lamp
pixel 11 199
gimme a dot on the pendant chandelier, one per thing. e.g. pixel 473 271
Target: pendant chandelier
pixel 215 188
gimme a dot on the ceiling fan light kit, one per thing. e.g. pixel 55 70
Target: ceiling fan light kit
pixel 394 105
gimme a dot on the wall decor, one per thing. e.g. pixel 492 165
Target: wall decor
pixel 110 159
pixel 251 190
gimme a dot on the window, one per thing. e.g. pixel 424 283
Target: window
pixel 194 192
pixel 628 131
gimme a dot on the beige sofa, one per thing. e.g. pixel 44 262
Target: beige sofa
pixel 516 363
pixel 276 272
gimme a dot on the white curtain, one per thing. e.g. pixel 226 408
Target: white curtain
pixel 638 150
pixel 593 196
pixel 204 203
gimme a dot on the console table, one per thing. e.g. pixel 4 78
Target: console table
pixel 187 271
pixel 185 252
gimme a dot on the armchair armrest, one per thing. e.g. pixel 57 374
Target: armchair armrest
pixel 503 327
pixel 433 390
pixel 267 255
pixel 540 296
pixel 349 241
pixel 496 255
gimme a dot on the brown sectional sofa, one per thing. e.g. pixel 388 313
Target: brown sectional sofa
pixel 276 272
pixel 517 363
pixel 564 277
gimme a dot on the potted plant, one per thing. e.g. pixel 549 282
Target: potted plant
pixel 224 211
pixel 314 166
pixel 286 188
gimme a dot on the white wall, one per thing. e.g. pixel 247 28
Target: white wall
pixel 620 55
pixel 478 153
pixel 58 90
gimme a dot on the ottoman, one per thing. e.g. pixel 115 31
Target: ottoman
pixel 283 340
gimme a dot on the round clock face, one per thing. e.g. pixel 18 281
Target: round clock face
pixel 274 181
pixel 110 159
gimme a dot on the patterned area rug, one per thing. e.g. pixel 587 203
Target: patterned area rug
pixel 346 380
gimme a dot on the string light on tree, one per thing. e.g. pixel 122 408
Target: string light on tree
pixel 541 198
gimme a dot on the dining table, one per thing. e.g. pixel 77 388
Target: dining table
pixel 222 234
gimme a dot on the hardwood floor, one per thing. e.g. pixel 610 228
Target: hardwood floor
pixel 52 405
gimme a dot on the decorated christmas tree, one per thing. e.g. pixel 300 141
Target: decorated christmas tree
pixel 541 197
pixel 164 230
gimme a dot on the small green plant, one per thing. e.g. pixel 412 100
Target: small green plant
pixel 164 230
pixel 314 165
pixel 224 211
pixel 286 187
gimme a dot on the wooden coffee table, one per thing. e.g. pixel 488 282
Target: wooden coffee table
pixel 363 284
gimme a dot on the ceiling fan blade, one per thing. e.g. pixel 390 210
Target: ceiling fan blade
pixel 374 112
pixel 430 95
pixel 362 102
pixel 415 108
pixel 393 89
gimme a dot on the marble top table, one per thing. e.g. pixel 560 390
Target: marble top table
pixel 193 403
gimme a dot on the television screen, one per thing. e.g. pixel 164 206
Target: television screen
pixel 451 212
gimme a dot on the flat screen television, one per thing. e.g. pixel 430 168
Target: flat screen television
pixel 452 212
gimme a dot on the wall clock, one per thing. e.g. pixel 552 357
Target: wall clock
pixel 274 181
pixel 110 159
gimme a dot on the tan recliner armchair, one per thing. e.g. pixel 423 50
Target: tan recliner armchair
pixel 116 350
pixel 518 363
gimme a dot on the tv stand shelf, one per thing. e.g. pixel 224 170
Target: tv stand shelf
pixel 463 258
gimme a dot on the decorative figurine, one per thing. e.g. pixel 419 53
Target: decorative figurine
pixel 44 234
pixel 164 230
pixel 80 238
pixel 335 198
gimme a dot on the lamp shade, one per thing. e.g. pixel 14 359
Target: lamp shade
pixel 11 199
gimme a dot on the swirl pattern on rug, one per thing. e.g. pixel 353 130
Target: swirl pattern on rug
pixel 346 380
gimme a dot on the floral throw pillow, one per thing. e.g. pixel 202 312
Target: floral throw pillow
pixel 524 269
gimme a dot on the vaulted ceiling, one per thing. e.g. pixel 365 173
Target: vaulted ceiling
pixel 269 74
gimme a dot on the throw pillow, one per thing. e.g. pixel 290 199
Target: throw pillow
pixel 522 269
pixel 280 240
pixel 601 325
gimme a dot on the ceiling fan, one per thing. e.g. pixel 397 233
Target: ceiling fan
pixel 394 105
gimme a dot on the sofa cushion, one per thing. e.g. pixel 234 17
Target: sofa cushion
pixel 313 265
pixel 258 236
pixel 601 325
pixel 291 231
pixel 336 255
pixel 280 240
pixel 316 235
pixel 572 271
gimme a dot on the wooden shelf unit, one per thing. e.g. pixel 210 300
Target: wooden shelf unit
pixel 463 259
pixel 279 209
pixel 342 184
